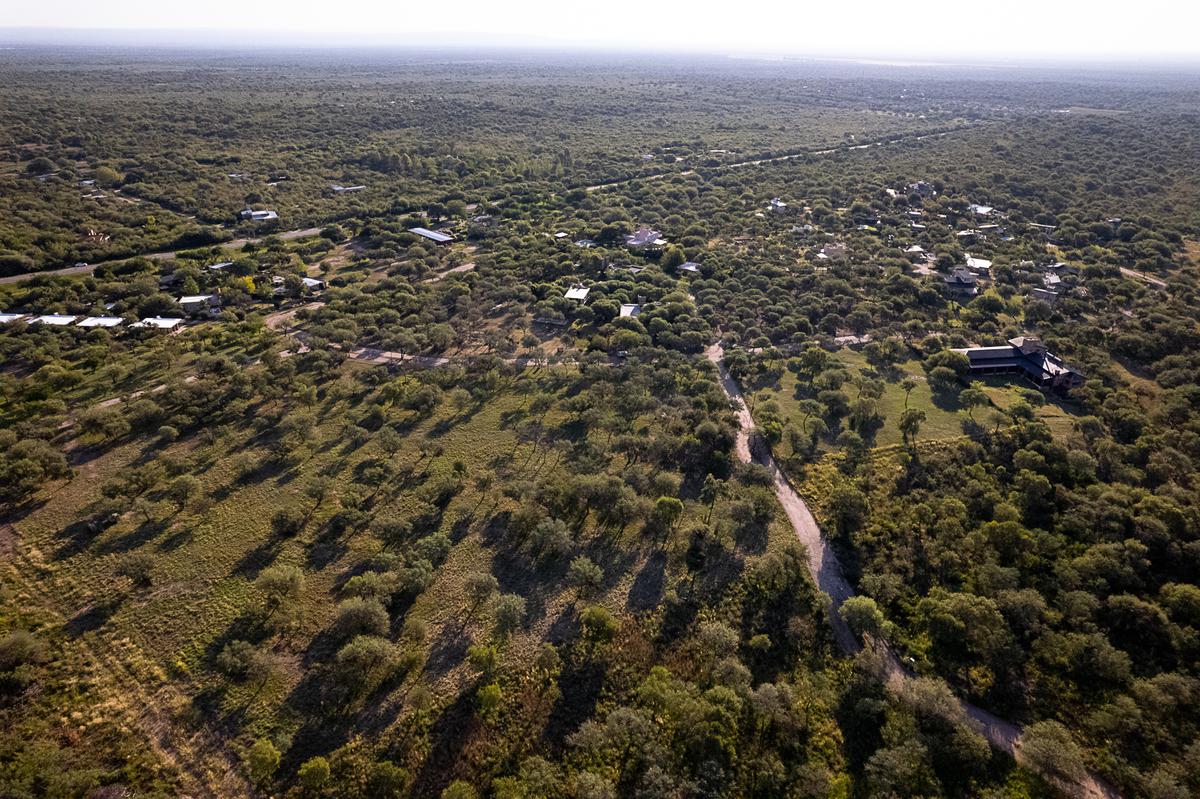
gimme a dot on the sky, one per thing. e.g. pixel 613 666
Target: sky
pixel 931 30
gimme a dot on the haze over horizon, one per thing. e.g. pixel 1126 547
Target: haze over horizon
pixel 939 31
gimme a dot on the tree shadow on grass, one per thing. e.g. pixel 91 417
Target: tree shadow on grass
pixel 580 683
pixel 447 650
pixel 94 616
pixel 75 538
pixel 258 558
pixel 142 534
pixel 449 737
pixel 646 593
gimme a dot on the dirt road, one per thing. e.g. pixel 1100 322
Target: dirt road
pixel 827 573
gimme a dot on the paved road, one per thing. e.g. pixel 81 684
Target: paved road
pixel 827 573
pixel 235 244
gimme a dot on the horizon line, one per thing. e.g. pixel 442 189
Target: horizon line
pixel 246 38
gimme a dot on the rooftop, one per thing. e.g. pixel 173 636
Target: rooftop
pixel 100 321
pixel 577 293
pixel 159 322
pixel 58 320
pixel 432 235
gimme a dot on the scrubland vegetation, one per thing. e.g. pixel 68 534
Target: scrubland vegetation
pixel 436 530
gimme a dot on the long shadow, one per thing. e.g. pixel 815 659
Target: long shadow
pixel 646 593
pixel 449 735
pixel 447 651
pixel 580 684
pixel 142 534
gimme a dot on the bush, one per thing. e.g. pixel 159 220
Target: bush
pixel 359 616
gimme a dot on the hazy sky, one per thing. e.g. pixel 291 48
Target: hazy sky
pixel 932 29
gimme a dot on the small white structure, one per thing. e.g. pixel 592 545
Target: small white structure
pixel 344 189
pixel 159 323
pixel 101 321
pixel 691 267
pixel 561 235
pixel 916 249
pixel 577 293
pixel 258 216
pixel 777 204
pixel 981 210
pixel 220 266
pixel 5 318
pixel 57 320
pixel 586 244
pixel 312 284
pixel 631 309
pixel 978 264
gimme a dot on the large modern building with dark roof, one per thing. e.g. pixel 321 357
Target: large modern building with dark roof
pixel 1028 356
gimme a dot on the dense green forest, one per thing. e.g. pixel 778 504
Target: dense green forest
pixel 394 518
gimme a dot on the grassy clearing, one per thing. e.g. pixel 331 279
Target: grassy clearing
pixel 944 417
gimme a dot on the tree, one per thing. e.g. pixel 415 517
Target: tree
pixel 710 492
pixel 361 616
pixel 184 489
pixel 971 398
pixel 491 700
pixel 286 522
pixel 314 774
pixel 667 511
pixel 599 625
pixel 908 384
pixel 281 587
pixel 510 613
pixel 137 566
pixel 480 586
pixel 910 424
pixel 585 577
pixel 459 790
pixel 862 616
pixel 1049 749
pixel 262 761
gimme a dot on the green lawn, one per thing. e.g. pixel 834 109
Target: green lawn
pixel 944 417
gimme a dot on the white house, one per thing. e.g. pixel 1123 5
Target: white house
pixel 101 321
pixel 312 284
pixel 193 303
pixel 690 267
pixel 631 309
pixel 258 216
pixel 57 320
pixel 978 264
pixel 777 204
pixel 5 318
pixel 981 210
pixel 577 293
pixel 158 323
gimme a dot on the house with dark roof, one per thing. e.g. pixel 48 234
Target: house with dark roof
pixel 1028 356
pixel 962 282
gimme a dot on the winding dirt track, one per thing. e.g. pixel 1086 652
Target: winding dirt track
pixel 827 573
